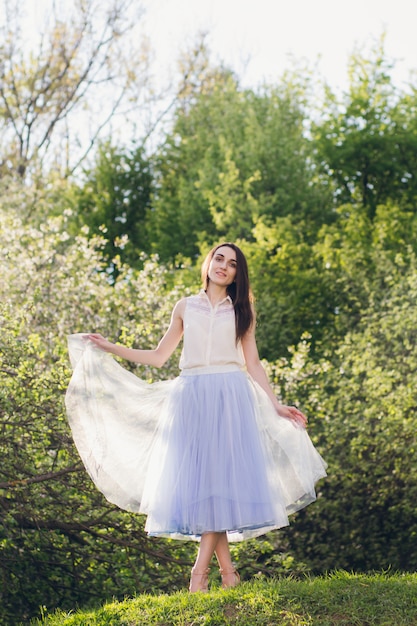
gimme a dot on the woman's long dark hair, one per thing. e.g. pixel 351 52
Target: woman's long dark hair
pixel 239 291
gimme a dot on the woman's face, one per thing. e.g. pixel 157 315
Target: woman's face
pixel 223 266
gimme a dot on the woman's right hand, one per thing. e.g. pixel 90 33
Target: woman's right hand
pixel 100 342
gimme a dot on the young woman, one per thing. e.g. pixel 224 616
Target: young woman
pixel 210 456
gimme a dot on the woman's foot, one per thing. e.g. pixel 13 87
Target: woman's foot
pixel 199 581
pixel 230 577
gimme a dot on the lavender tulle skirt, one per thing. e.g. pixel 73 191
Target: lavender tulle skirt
pixel 203 452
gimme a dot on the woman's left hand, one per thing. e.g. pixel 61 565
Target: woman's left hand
pixel 294 414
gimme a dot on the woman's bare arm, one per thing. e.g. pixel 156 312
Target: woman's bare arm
pixel 156 357
pixel 257 372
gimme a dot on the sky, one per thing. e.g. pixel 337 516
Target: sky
pixel 257 38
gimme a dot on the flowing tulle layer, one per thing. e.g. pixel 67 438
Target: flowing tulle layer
pixel 198 453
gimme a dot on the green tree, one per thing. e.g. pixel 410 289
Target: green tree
pixel 357 255
pixel 362 405
pixel 291 286
pixel 366 140
pixel 235 156
pixel 114 201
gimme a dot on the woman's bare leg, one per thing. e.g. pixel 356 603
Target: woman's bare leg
pixel 199 573
pixel 206 550
pixel 213 543
pixel 230 577
pixel 223 552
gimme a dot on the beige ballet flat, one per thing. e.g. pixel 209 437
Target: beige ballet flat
pixel 199 581
pixel 235 580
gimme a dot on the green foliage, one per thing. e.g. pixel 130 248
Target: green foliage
pixel 266 557
pixel 114 202
pixel 291 289
pixel 342 598
pixel 360 256
pixel 367 142
pixel 232 157
pixel 363 407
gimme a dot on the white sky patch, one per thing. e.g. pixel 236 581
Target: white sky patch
pixel 258 37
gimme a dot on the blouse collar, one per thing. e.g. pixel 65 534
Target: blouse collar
pixel 203 294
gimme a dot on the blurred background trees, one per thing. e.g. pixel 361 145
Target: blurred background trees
pixel 103 233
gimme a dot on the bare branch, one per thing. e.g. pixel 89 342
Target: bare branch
pixel 74 57
pixel 24 482
pixel 95 136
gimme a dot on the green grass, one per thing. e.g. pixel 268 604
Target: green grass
pixel 338 599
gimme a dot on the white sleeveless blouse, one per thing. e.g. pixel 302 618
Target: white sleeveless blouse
pixel 210 337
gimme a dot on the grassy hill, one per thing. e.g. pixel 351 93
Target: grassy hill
pixel 338 599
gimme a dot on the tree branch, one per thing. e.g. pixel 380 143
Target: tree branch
pixel 88 526
pixel 23 482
